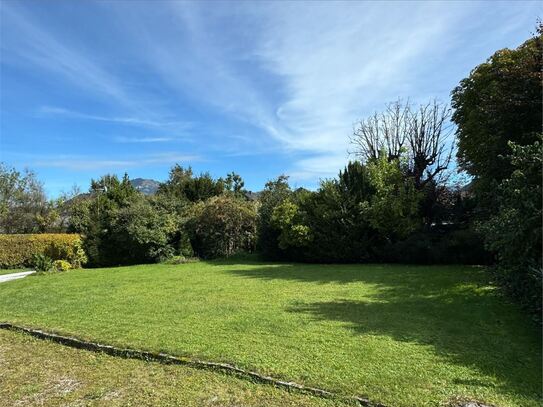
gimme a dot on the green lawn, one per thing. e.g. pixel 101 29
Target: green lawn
pixel 400 335
pixel 37 373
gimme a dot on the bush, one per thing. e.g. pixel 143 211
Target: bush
pixel 140 233
pixel 275 192
pixel 223 226
pixel 42 263
pixel 514 232
pixel 463 246
pixel 61 265
pixel 19 250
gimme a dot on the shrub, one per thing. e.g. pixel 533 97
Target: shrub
pixel 223 226
pixel 61 265
pixel 42 263
pixel 463 246
pixel 514 232
pixel 19 250
pixel 275 192
pixel 141 233
pixel 286 219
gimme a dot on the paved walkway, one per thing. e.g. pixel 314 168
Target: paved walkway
pixel 14 276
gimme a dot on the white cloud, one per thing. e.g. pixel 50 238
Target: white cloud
pixel 300 73
pixel 333 63
pixel 83 163
pixel 52 110
pixel 28 40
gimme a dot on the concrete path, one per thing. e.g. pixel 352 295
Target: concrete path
pixel 14 276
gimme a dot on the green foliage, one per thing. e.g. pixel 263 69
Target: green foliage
pixel 23 205
pixel 234 184
pixel 94 216
pixel 20 250
pixel 61 265
pixel 370 213
pixel 341 232
pixel 184 186
pixel 274 193
pixel 141 233
pixel 454 246
pixel 223 226
pixel 514 232
pixel 394 207
pixel 498 114
pixel 42 263
pixel 499 102
pixel 286 218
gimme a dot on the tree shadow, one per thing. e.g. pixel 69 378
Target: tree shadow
pixel 450 308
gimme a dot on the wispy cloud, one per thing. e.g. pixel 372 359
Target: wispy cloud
pixel 26 39
pixel 85 163
pixel 327 61
pixel 287 79
pixel 36 45
pixel 59 111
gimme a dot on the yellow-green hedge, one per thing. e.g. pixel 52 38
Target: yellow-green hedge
pixel 19 250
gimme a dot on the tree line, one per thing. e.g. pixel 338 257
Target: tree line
pixel 396 201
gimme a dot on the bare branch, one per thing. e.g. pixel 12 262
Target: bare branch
pixel 421 135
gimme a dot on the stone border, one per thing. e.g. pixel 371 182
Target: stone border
pixel 178 360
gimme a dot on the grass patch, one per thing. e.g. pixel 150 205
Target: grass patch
pixel 401 335
pixel 38 372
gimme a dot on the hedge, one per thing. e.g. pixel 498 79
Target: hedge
pixel 19 250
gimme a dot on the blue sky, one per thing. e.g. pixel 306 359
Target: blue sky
pixel 259 88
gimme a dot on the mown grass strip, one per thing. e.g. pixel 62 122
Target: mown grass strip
pixel 170 359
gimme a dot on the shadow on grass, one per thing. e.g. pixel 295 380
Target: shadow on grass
pixel 450 308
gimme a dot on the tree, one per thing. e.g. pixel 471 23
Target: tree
pixel 234 184
pixel 514 231
pixel 498 118
pixel 289 221
pixel 500 101
pixel 23 205
pixel 223 226
pixel 183 185
pixel 141 233
pixel 420 135
pixel 274 193
pixel 334 213
pixel 393 210
pixel 94 215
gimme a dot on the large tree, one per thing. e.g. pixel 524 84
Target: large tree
pixel 418 137
pixel 498 114
pixel 23 205
pixel 499 102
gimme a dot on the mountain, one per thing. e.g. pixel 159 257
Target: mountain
pixel 145 186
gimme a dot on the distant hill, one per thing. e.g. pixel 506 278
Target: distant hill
pixel 145 186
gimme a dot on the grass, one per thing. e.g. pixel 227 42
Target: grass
pixel 400 335
pixel 37 372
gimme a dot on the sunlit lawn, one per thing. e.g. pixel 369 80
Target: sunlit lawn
pixel 41 373
pixel 400 335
